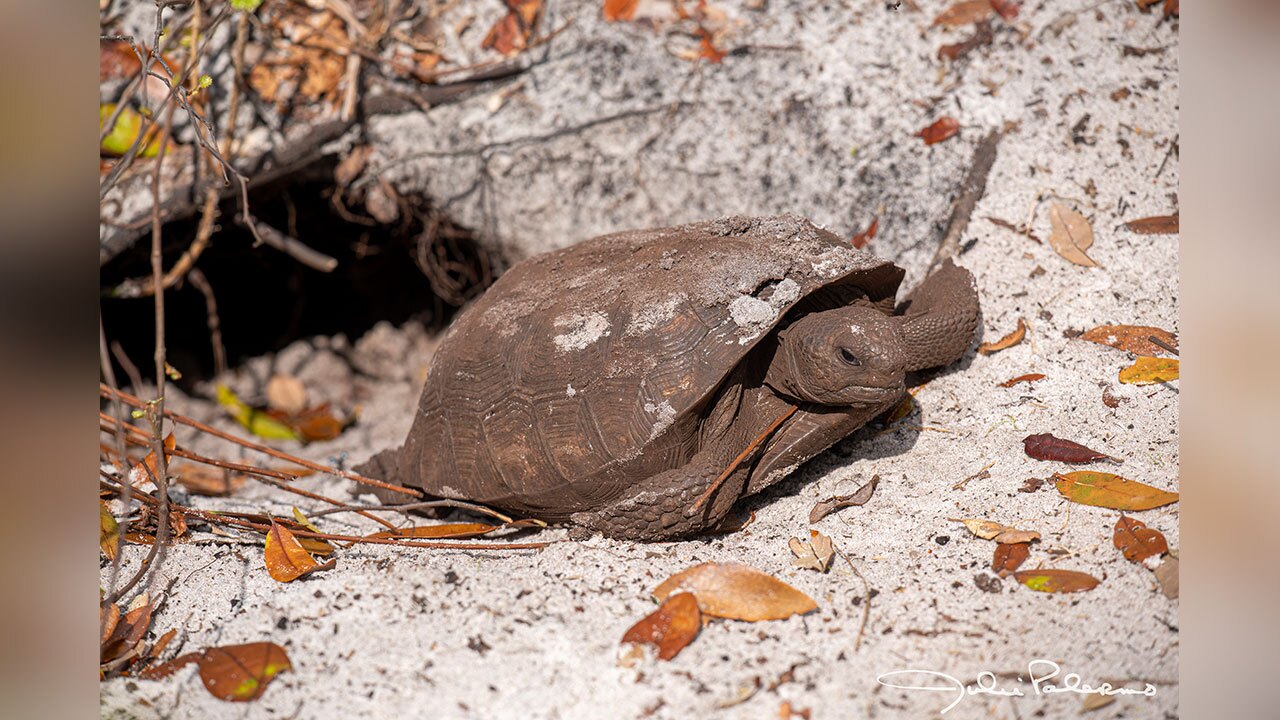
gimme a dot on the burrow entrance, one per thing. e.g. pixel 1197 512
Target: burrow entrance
pixel 422 266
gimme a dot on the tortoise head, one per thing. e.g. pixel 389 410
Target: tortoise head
pixel 858 356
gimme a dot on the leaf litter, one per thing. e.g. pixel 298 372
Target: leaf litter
pixel 859 497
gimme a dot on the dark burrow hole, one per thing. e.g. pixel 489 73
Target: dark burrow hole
pixel 420 267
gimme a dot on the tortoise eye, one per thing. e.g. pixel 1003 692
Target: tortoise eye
pixel 849 358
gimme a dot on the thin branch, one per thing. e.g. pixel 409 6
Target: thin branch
pixel 220 519
pixel 184 420
pixel 971 190
pixel 275 478
pixel 288 245
pixel 201 283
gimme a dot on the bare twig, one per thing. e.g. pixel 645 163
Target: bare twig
pixel 109 376
pixel 184 420
pixel 288 245
pixel 221 519
pixel 406 507
pixel 201 283
pixel 971 190
pixel 866 599
pixel 275 478
pixel 741 456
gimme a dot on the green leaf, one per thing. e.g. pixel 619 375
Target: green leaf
pixel 255 421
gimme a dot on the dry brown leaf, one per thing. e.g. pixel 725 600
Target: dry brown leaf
pixel 207 480
pixel 143 472
pixel 285 558
pixel 1007 341
pixel 964 12
pixel 511 33
pixel 992 530
pixel 1167 575
pixel 615 10
pixel 1028 378
pixel 985 529
pixel 815 553
pixel 737 592
pixel 1132 338
pixel 670 628
pixel 452 530
pixel 941 129
pixel 1056 581
pixel 1158 225
pixel 287 394
pixel 1009 556
pixel 861 239
pixel 236 673
pixel 859 497
pixel 1072 235
pixel 1014 536
pixel 1137 541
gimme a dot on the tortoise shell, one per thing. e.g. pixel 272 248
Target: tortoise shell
pixel 584 370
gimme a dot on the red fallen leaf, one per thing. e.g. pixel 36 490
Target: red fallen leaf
pixel 964 12
pixel 981 36
pixel 1028 378
pixel 511 34
pixel 1009 556
pixel 707 49
pixel 116 59
pixel 1044 446
pixel 941 129
pixel 1170 8
pixel 1137 541
pixel 615 10
pixel 1158 225
pixel 669 628
pixel 1110 400
pixel 1006 342
pixel 236 673
pixel 861 239
pixel 149 468
pixel 1056 581
pixel 1007 9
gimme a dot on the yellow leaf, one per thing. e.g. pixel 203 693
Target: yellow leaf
pixel 125 132
pixel 1150 370
pixel 255 421
pixel 1056 581
pixel 108 531
pixel 737 592
pixel 453 530
pixel 1111 491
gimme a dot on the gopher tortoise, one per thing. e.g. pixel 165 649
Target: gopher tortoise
pixel 640 383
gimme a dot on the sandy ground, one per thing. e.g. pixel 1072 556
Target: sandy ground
pixel 411 633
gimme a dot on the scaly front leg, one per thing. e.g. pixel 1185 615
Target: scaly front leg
pixel 660 507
